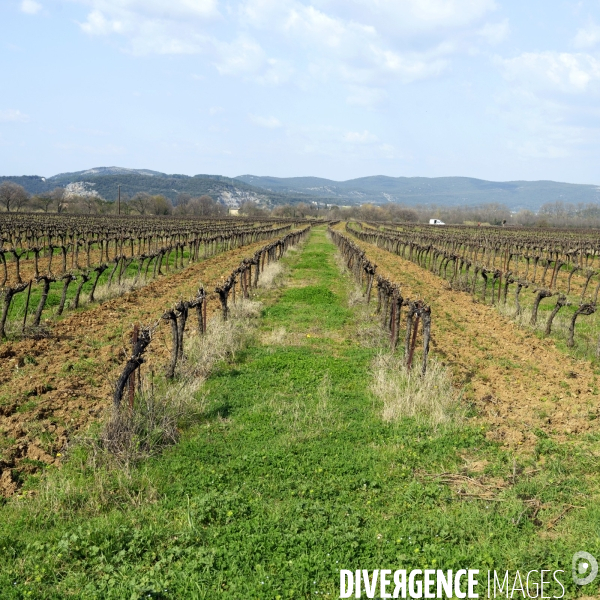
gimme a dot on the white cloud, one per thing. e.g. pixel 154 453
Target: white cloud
pixel 362 43
pixel 275 72
pixel 356 137
pixel 244 57
pixel 127 12
pixel 240 57
pixel 553 71
pixel 388 151
pixel 267 122
pixel 30 7
pixel 587 37
pixel 539 127
pixel 153 26
pixel 494 33
pixel 411 17
pixel 315 27
pixel 409 66
pixel 98 24
pixel 11 115
pixel 334 46
pixel 447 12
pixel 333 143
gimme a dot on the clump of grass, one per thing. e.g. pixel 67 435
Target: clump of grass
pixel 87 488
pixel 356 297
pixel 430 399
pixel 156 421
pixel 270 276
pixel 14 330
pixel 105 292
pixel 275 337
pixel 223 339
pixel 369 331
pixel 304 418
pixel 273 273
pixel 245 309
pixel 560 325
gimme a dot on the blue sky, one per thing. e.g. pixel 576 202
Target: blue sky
pixel 333 88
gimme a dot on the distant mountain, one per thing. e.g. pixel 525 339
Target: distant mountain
pixel 446 191
pixel 269 191
pixel 105 181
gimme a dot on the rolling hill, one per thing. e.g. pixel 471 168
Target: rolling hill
pixel 445 191
pixel 104 182
pixel 270 191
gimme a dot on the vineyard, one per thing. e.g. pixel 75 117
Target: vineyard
pixel 528 273
pixel 57 254
pixel 55 268
pixel 363 395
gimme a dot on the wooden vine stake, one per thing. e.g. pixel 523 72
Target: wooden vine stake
pixel 426 337
pixel 397 302
pixel 199 303
pixel 26 307
pixel 134 340
pixel 413 341
pixel 171 316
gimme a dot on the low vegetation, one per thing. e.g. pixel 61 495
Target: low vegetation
pixel 403 393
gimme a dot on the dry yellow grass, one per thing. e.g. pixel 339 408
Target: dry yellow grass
pixel 405 393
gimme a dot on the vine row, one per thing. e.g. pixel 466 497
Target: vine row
pixel 247 275
pixel 390 301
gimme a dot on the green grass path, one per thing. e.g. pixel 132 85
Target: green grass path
pixel 292 477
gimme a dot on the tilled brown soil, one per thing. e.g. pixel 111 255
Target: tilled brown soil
pixel 519 384
pixel 53 387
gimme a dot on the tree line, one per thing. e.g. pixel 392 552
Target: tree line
pixel 551 214
pixel 14 198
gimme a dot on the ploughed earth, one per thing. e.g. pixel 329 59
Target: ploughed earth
pixel 55 386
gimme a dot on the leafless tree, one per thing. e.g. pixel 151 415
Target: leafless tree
pixel 161 205
pixel 142 203
pixel 204 206
pixel 13 196
pixel 183 199
pixel 87 204
pixel 210 208
pixel 283 210
pixel 43 201
pixel 126 208
pixel 251 209
pixel 60 199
